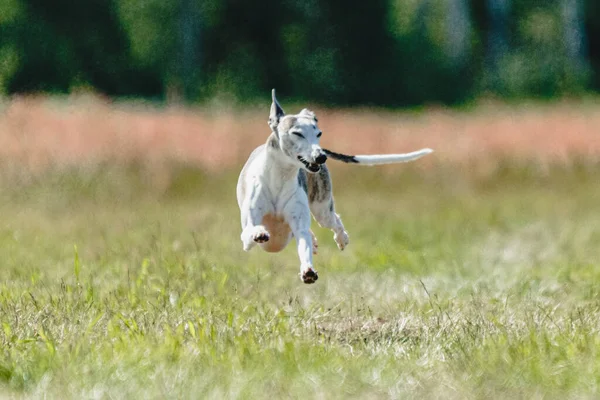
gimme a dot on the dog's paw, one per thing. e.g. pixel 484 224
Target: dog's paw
pixel 309 275
pixel 261 236
pixel 342 239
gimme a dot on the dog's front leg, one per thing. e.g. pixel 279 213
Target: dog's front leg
pixel 298 217
pixel 253 234
pixel 253 212
pixel 305 252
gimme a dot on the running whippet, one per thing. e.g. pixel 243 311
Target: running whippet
pixel 285 180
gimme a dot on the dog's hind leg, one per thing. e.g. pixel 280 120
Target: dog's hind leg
pixel 326 216
pixel 314 242
pixel 322 207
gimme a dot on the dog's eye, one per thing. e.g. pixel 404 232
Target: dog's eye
pixel 319 134
pixel 298 134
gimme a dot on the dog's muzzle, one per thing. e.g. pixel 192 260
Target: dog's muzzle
pixel 312 167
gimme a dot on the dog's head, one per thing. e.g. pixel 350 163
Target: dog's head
pixel 298 136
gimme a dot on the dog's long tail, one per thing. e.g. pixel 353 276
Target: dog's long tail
pixel 378 159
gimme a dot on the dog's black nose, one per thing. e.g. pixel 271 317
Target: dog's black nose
pixel 321 159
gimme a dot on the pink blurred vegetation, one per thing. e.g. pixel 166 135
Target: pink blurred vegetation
pixel 37 133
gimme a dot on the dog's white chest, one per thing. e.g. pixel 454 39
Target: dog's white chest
pixel 279 230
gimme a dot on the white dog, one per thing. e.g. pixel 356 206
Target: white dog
pixel 285 180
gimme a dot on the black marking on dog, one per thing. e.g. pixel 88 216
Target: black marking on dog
pixel 341 157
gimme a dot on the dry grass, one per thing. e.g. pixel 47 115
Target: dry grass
pixel 38 132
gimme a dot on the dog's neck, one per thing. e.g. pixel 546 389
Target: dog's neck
pixel 279 166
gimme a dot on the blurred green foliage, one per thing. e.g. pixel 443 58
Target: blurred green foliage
pixel 339 52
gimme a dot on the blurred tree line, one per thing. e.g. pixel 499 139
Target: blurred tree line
pixel 345 52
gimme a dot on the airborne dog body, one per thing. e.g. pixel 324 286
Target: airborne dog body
pixel 286 179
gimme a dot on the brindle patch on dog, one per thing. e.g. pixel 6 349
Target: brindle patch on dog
pixel 319 185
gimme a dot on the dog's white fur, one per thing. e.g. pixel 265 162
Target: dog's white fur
pixel 285 180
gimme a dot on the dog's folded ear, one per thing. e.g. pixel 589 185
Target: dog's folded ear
pixel 276 112
pixel 308 113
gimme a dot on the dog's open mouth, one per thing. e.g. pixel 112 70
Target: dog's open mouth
pixel 312 167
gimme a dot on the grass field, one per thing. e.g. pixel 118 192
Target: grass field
pixel 454 285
